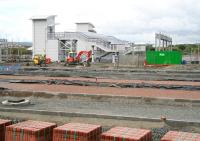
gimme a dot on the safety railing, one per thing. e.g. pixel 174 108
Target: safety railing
pixel 102 44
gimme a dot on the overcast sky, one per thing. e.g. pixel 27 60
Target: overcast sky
pixel 132 20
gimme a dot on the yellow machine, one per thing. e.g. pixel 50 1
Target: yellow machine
pixel 39 60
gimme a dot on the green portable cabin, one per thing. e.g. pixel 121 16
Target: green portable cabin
pixel 163 57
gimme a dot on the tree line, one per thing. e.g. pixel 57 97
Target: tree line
pixel 184 48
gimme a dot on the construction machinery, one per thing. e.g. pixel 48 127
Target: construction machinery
pixel 41 60
pixel 82 58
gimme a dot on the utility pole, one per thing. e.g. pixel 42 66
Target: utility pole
pixel 0 55
pixel 92 53
pixel 198 55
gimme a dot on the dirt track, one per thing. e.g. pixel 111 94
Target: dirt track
pixel 158 93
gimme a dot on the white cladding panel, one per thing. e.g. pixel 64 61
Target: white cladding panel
pixel 39 36
pixel 83 27
pixel 83 45
pixel 51 21
pixel 52 50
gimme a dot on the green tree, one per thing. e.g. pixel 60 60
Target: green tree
pixel 181 47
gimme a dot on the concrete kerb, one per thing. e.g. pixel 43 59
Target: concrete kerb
pixel 101 97
pixel 84 115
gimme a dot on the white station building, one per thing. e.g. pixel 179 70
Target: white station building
pixel 56 45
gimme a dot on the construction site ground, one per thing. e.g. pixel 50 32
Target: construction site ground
pixel 110 97
pixel 135 92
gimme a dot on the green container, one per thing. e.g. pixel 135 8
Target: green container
pixel 163 57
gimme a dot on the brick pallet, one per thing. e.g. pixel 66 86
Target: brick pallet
pixel 181 136
pixel 30 131
pixel 126 134
pixel 77 132
pixel 3 124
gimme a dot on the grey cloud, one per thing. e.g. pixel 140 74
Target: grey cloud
pixel 135 20
pixel 179 19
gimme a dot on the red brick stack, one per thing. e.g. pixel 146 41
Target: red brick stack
pixel 30 131
pixel 181 136
pixel 126 134
pixel 77 132
pixel 3 124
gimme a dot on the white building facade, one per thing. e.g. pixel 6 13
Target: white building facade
pixel 56 45
pixel 42 25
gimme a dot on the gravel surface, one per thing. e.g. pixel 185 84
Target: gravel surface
pixel 158 133
pixel 110 108
pixel 113 108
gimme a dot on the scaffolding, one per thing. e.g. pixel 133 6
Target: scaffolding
pixel 65 47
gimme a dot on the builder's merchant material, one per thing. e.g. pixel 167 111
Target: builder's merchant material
pixel 77 132
pixel 3 124
pixel 30 131
pixel 126 134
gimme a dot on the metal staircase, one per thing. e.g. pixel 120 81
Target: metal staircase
pixel 129 50
pixel 103 45
pixel 103 55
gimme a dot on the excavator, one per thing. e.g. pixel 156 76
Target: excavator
pixel 41 60
pixel 82 58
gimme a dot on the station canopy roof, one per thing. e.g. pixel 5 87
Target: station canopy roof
pixel 111 39
pixel 86 23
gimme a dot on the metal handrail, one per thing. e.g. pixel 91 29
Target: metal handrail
pixel 99 42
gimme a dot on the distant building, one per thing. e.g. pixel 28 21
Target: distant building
pixel 56 45
pixel 8 51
